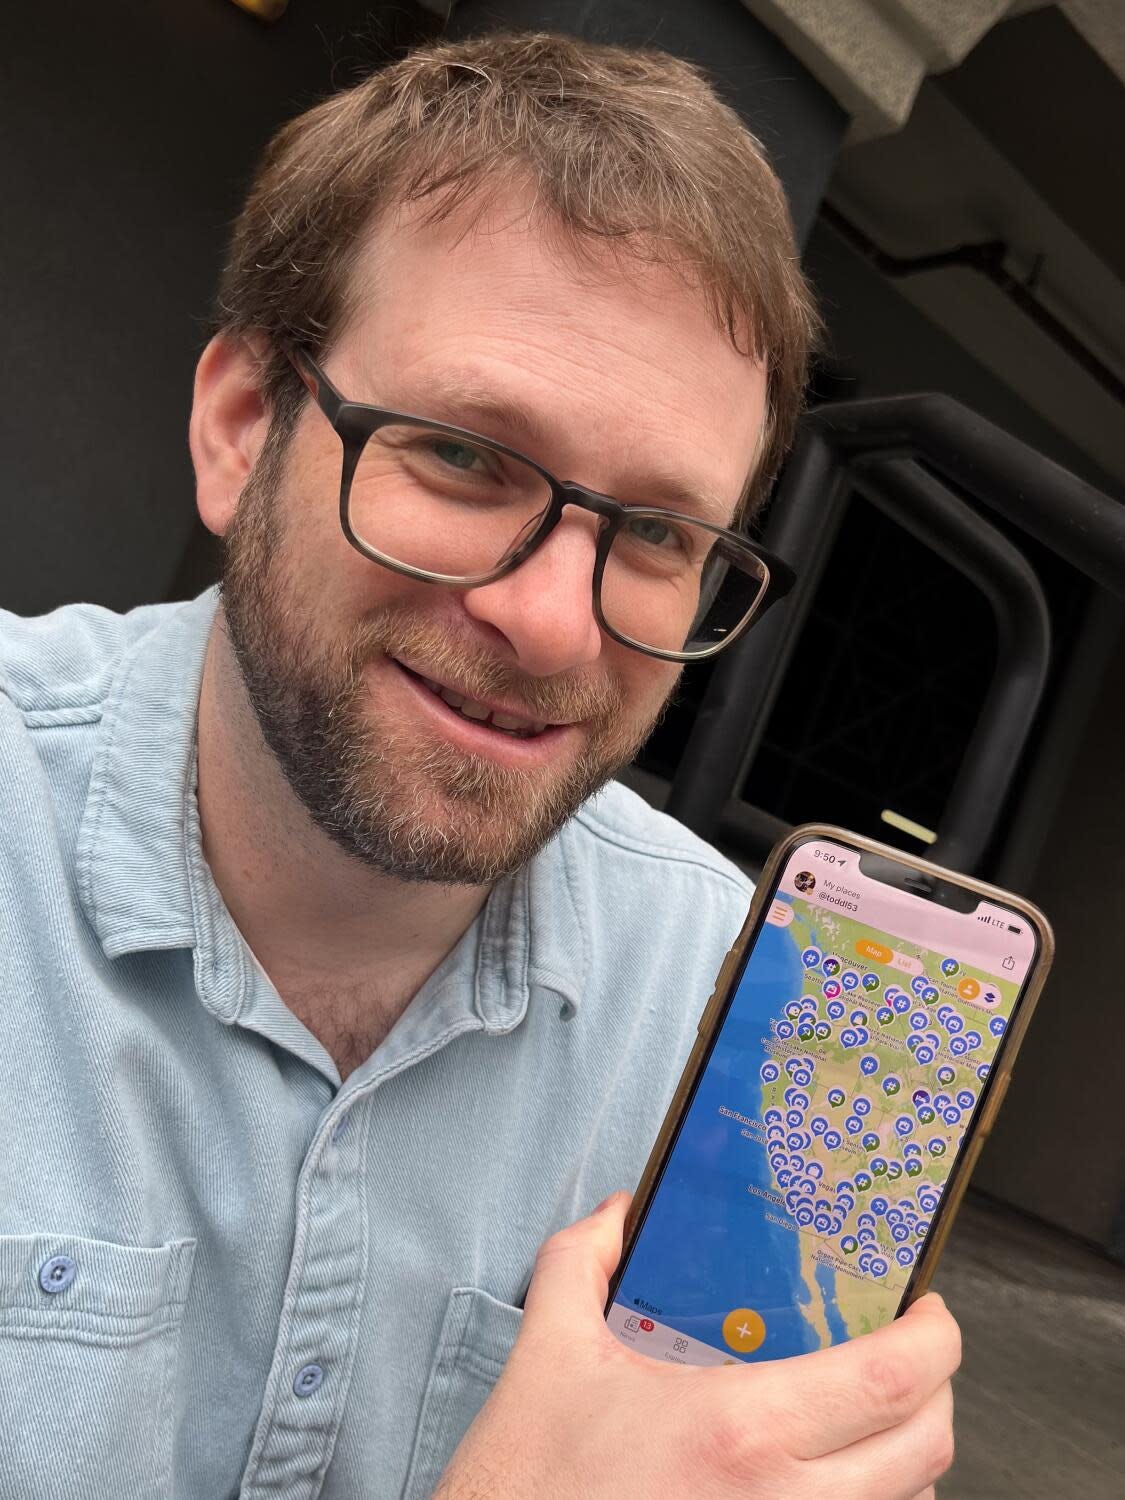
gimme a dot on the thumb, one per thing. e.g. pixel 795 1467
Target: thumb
pixel 572 1270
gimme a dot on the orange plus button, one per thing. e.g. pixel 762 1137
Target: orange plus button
pixel 744 1330
pixel 968 989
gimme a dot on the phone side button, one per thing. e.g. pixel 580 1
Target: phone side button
pixel 708 1012
pixel 718 992
pixel 992 1107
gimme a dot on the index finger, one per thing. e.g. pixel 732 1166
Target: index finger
pixel 853 1390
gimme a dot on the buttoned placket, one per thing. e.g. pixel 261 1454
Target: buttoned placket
pixel 307 1389
pixel 306 1393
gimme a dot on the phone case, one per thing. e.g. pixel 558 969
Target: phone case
pixel 995 1088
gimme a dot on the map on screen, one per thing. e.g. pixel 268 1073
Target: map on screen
pixel 813 1156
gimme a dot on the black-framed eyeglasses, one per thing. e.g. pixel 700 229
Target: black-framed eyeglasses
pixel 445 505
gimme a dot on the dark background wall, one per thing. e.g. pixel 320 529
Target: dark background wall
pixel 130 130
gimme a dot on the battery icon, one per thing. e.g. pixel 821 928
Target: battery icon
pixel 1014 929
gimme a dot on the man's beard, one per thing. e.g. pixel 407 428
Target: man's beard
pixel 415 807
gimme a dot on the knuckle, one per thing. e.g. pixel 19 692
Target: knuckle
pixel 937 1434
pixel 892 1381
pixel 730 1448
pixel 559 1243
pixel 941 1451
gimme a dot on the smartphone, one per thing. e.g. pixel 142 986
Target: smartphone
pixel 848 1067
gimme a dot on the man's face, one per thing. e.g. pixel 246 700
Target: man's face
pixel 613 375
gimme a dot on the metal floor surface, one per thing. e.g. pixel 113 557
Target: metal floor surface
pixel 1040 1398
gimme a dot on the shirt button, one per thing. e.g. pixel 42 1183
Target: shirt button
pixel 56 1274
pixel 308 1380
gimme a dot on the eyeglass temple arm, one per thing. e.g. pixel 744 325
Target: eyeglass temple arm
pixel 319 387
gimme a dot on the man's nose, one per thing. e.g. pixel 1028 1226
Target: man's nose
pixel 545 609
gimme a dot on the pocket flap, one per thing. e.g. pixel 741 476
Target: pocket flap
pixel 476 1338
pixel 70 1282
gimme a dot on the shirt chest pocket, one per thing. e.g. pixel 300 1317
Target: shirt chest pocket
pixel 476 1337
pixel 88 1343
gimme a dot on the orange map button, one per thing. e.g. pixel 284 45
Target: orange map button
pixel 744 1330
pixel 968 989
pixel 875 951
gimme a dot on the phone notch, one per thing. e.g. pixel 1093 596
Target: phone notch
pixel 930 887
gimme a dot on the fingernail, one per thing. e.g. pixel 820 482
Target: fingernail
pixel 604 1204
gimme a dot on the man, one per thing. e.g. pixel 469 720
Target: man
pixel 330 989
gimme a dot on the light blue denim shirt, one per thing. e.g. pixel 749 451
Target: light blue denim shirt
pixel 221 1271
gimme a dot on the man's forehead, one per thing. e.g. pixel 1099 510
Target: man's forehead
pixel 504 242
pixel 496 320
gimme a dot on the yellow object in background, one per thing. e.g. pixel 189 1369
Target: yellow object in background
pixel 265 10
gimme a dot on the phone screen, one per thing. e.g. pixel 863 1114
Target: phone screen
pixel 810 1163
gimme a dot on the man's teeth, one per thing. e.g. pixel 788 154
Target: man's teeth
pixel 469 709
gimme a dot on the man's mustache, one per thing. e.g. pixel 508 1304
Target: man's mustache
pixel 431 649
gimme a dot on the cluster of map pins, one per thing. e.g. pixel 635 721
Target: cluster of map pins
pixel 903 1136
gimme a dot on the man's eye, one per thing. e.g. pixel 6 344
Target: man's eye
pixel 653 532
pixel 456 455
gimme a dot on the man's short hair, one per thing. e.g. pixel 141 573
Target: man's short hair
pixel 631 149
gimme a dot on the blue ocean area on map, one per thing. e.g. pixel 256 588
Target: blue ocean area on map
pixel 707 1245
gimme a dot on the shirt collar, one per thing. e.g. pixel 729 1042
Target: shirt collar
pixel 142 877
pixel 133 875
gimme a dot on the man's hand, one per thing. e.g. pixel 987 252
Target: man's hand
pixel 578 1416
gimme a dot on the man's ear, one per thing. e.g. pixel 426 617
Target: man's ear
pixel 229 421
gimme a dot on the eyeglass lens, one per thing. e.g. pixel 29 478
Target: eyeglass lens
pixel 444 505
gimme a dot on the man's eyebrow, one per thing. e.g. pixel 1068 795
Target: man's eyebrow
pixel 463 401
